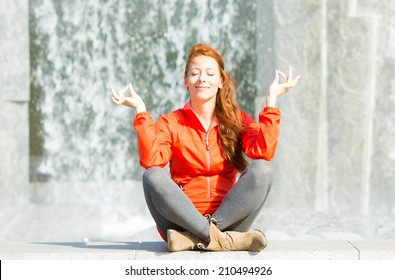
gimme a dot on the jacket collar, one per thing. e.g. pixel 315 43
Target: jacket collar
pixel 188 107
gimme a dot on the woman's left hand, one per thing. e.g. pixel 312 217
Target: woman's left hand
pixel 276 89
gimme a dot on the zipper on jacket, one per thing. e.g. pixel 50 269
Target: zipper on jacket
pixel 207 146
pixel 208 165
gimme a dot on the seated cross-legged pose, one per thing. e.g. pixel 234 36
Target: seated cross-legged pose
pixel 200 205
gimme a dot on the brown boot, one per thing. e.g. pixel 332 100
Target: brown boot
pixel 254 240
pixel 181 241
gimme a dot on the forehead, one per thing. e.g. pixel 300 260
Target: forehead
pixel 203 62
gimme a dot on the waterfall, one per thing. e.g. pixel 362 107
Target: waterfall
pixel 79 49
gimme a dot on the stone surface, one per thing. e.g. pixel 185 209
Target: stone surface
pixel 382 191
pixel 276 250
pixel 14 97
pixel 14 151
pixel 335 152
pixel 375 249
pixel 349 140
pixel 14 50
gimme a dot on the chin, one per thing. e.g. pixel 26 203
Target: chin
pixel 204 97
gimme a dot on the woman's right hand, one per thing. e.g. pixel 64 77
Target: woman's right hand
pixel 133 101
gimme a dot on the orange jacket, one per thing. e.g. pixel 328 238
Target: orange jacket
pixel 196 161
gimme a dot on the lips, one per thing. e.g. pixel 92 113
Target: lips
pixel 202 87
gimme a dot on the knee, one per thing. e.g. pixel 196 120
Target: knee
pixel 260 176
pixel 151 176
pixel 260 173
pixel 261 167
pixel 150 172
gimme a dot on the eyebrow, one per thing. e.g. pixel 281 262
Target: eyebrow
pixel 197 68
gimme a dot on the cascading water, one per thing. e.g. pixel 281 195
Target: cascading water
pixel 78 49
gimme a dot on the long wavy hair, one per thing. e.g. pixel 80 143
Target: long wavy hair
pixel 226 108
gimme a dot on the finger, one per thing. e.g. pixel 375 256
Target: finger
pixel 116 95
pixel 295 81
pixel 283 75
pixel 115 100
pixel 290 72
pixel 131 90
pixel 113 92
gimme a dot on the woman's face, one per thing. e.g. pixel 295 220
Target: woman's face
pixel 203 78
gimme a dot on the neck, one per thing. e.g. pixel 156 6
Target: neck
pixel 204 111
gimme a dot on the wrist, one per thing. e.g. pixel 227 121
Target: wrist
pixel 141 109
pixel 271 101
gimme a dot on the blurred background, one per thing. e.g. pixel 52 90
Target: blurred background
pixel 69 169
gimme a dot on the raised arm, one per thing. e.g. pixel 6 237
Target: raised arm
pixel 154 140
pixel 259 140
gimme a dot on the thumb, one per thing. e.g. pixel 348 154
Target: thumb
pixel 131 90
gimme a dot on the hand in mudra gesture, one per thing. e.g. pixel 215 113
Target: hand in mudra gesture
pixel 277 89
pixel 133 101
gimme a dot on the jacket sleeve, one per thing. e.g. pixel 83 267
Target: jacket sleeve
pixel 259 141
pixel 154 140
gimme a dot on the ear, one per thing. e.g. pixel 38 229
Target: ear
pixel 185 82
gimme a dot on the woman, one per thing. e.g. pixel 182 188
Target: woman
pixel 200 205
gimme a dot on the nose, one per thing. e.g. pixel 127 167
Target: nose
pixel 202 77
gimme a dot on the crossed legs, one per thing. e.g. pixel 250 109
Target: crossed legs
pixel 172 209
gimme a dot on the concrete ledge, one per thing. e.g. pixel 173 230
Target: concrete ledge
pixel 276 250
pixel 375 250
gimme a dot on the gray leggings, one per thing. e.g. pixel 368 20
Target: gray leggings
pixel 172 209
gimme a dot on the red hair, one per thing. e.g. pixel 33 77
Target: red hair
pixel 226 108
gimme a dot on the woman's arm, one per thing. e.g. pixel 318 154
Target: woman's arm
pixel 260 140
pixel 154 140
